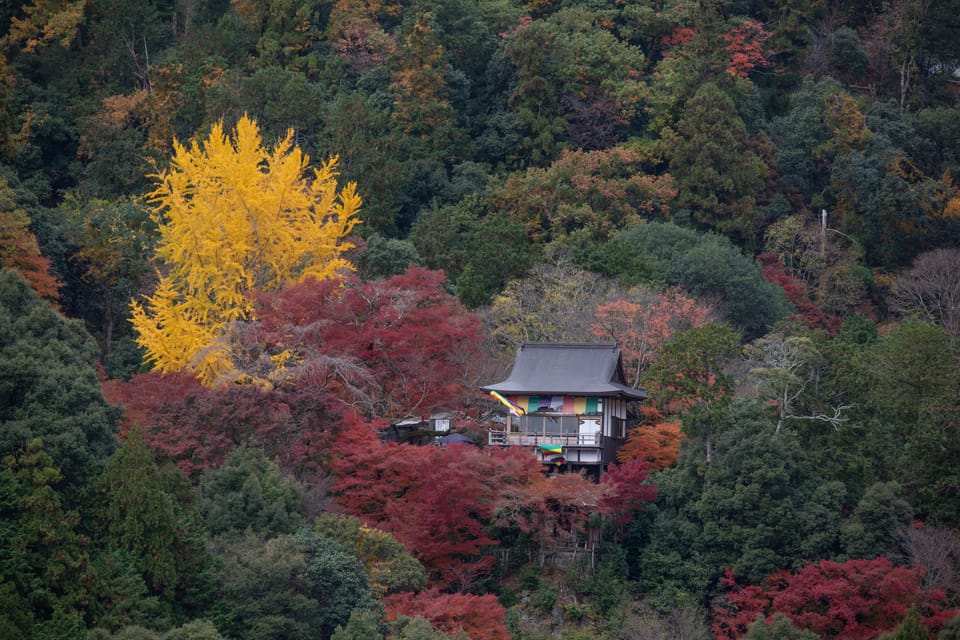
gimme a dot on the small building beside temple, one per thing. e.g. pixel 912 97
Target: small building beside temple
pixel 567 402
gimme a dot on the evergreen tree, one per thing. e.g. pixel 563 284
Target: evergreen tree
pixel 718 174
pixel 153 524
pixel 780 628
pixel 45 571
pixel 761 505
pixel 48 385
pixel 249 492
pixel 911 628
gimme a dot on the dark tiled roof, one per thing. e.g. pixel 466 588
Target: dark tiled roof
pixel 561 368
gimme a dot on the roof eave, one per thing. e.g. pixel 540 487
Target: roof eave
pixel 631 394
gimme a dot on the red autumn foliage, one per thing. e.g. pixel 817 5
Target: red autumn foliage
pixel 656 440
pixel 435 501
pixel 630 493
pixel 381 348
pixel 195 427
pixel 745 43
pixel 855 600
pixel 391 347
pixel 642 328
pixel 19 251
pixel 553 510
pixel 797 294
pixel 480 617
pixel 680 36
pixel 438 502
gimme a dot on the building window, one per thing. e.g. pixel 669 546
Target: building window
pixel 619 426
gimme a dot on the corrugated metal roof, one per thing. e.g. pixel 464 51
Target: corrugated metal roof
pixel 567 368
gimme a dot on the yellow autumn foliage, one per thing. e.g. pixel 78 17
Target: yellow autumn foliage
pixel 46 21
pixel 952 208
pixel 235 219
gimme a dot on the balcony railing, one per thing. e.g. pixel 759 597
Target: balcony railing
pixel 536 439
pixel 580 448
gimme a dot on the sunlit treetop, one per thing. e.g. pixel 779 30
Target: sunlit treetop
pixel 235 219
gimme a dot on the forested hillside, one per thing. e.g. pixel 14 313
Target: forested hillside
pixel 240 239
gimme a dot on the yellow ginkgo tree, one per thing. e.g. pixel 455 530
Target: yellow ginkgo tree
pixel 235 219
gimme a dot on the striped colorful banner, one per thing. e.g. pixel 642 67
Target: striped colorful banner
pixel 515 409
pixel 569 405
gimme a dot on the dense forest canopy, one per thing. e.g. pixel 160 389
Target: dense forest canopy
pixel 241 238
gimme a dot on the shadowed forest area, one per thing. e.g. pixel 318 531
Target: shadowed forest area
pixel 240 239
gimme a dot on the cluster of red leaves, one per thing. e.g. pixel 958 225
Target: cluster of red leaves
pixel 680 36
pixel 642 328
pixel 854 600
pixel 798 295
pixel 435 501
pixel 382 348
pixel 656 440
pixel 630 491
pixel 745 43
pixel 480 617
pixel 195 427
pixel 391 348
pixel 439 502
pixel 552 510
pixel 19 251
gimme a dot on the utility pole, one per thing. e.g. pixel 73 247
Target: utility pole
pixel 823 232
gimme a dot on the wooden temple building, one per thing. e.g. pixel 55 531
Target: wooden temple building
pixel 567 402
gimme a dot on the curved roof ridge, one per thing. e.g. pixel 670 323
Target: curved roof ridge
pixel 568 368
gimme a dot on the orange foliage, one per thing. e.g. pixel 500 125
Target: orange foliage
pixel 44 22
pixel 656 440
pixel 480 617
pixel 554 510
pixel 602 191
pixel 642 328
pixel 421 105
pixel 848 122
pixel 19 249
pixel 745 44
pixel 952 209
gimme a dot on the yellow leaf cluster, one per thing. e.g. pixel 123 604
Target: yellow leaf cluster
pixel 46 21
pixel 952 208
pixel 235 219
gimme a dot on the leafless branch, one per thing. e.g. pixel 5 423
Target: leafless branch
pixel 836 419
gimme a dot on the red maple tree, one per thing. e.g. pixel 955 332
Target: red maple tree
pixel 436 501
pixel 439 502
pixel 630 491
pixel 772 270
pixel 195 427
pixel 641 328
pixel 324 356
pixel 745 44
pixel 480 617
pixel 390 348
pixel 854 600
